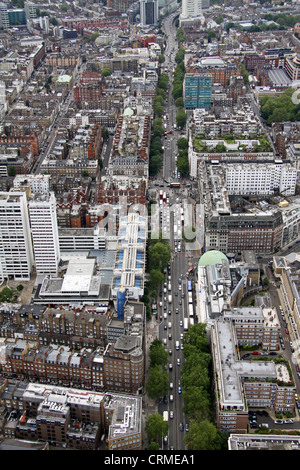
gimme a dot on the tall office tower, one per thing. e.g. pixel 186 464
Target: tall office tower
pixel 197 90
pixel 149 11
pixel 4 21
pixel 44 230
pixel 16 254
pixel 30 10
pixel 191 9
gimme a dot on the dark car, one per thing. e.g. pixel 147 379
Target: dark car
pixel 181 427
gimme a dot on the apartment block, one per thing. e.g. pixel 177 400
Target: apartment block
pixel 72 418
pixel 240 384
pixel 44 231
pixel 16 253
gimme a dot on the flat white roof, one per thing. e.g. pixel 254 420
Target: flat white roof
pixel 79 274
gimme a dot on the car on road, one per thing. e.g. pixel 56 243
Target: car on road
pixel 180 323
pixel 171 414
pixel 171 385
pixel 287 331
pixel 179 390
pixel 186 427
pixel 181 427
pixel 178 362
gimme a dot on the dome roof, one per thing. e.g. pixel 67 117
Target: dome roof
pixel 212 257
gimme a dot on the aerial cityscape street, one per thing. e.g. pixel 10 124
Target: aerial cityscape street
pixel 150 227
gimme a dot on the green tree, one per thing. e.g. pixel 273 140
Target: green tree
pixel 156 427
pixel 6 294
pixel 179 102
pixel 155 164
pixel 196 400
pixel 156 278
pixel 202 435
pixel 179 57
pixel 53 21
pixel 182 143
pixel 11 171
pixel 153 446
pixel 177 91
pixel 105 133
pixel 159 255
pixel 183 166
pixel 158 382
pixel 106 72
pixel 181 118
pixel 158 355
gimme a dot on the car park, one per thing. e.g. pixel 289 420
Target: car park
pixel 288 421
pixel 278 421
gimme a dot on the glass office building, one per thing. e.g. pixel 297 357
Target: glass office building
pixel 197 91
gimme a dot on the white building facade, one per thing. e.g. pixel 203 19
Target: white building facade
pixel 16 254
pixel 43 221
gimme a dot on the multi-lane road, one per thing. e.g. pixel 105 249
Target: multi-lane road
pixel 171 315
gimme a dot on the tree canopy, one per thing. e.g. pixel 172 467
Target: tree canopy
pixel 280 108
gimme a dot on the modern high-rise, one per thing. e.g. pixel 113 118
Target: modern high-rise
pixel 16 254
pixel 44 230
pixel 197 91
pixel 149 12
pixel 30 10
pixel 4 20
pixel 191 9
